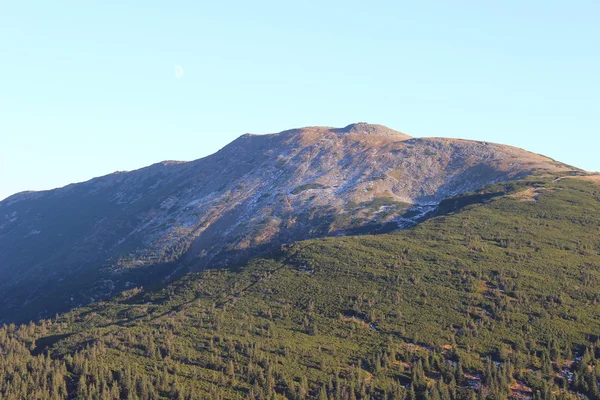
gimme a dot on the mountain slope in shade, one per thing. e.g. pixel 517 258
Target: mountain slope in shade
pixel 69 246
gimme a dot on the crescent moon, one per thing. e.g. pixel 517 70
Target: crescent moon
pixel 178 71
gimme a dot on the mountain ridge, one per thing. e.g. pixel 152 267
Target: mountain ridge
pixel 353 128
pixel 255 193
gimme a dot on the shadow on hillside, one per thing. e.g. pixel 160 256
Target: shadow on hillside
pixel 44 343
pixel 472 179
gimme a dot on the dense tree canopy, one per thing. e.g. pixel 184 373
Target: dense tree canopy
pixel 499 299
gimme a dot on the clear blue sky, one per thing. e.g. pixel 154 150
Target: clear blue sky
pixel 87 88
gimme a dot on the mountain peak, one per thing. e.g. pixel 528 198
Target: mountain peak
pixel 369 129
pixel 357 128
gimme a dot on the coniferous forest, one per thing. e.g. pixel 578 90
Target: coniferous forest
pixel 494 297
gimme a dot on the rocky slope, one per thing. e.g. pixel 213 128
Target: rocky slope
pixel 69 246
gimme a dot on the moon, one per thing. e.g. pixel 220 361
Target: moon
pixel 178 71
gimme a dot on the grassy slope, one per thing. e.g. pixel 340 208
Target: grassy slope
pixel 508 279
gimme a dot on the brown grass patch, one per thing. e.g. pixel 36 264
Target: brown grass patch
pixel 590 178
pixel 520 387
pixel 528 194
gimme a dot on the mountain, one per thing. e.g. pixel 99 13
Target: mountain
pixel 495 297
pixel 70 246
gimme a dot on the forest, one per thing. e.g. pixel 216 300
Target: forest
pixel 496 299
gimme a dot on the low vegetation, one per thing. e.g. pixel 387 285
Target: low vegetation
pixel 308 186
pixel 496 298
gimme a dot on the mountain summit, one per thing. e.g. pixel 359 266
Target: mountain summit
pixel 69 246
pixel 367 129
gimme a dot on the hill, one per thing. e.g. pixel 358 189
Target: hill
pixel 497 296
pixel 67 247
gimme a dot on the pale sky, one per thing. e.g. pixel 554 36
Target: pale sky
pixel 88 88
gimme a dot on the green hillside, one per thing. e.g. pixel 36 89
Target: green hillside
pixel 494 299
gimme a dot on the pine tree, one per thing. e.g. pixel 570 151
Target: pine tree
pixel 82 393
pixel 323 393
pixel 230 368
pixel 459 374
